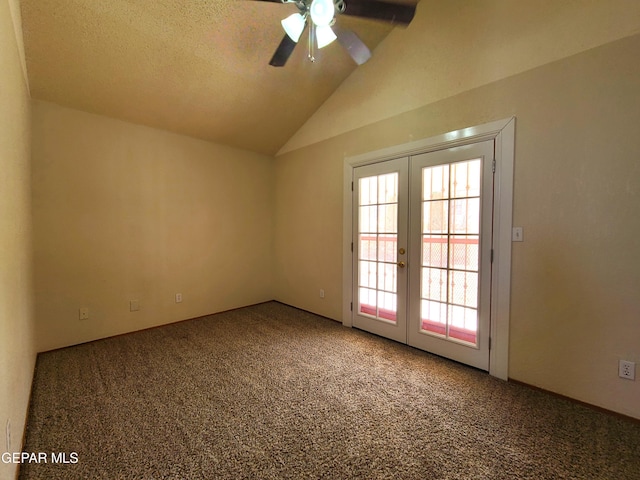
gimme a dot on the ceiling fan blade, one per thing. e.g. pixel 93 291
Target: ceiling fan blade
pixel 352 44
pixel 284 50
pixel 380 10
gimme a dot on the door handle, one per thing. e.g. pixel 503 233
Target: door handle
pixel 401 264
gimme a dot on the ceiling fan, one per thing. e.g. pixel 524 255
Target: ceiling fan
pixel 320 16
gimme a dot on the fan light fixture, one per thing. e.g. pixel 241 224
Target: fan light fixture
pixel 294 25
pixel 324 36
pixel 321 13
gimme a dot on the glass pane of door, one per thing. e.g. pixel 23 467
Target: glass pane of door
pixel 378 240
pixel 450 239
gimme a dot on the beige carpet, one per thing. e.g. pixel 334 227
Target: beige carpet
pixel 271 392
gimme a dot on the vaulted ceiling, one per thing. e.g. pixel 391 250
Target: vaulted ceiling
pixel 195 67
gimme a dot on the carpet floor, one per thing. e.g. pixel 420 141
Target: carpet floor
pixel 272 392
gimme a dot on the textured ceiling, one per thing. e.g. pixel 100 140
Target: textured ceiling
pixel 196 67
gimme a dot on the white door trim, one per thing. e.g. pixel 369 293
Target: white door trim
pixel 503 132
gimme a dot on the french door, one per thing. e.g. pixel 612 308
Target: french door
pixel 381 191
pixel 422 251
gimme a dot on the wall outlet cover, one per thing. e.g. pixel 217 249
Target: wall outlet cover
pixel 627 369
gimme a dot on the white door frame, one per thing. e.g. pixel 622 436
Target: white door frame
pixel 503 132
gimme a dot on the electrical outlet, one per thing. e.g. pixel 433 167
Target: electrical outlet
pixel 83 313
pixel 178 297
pixel 134 305
pixel 321 293
pixel 627 369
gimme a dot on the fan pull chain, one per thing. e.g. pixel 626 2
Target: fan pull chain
pixel 312 35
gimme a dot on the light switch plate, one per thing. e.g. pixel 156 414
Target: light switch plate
pixel 517 234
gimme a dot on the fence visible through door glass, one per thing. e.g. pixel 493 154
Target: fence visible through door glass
pixel 450 240
pixel 378 244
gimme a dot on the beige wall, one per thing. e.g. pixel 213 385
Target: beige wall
pixel 17 352
pixel 125 212
pixel 575 304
